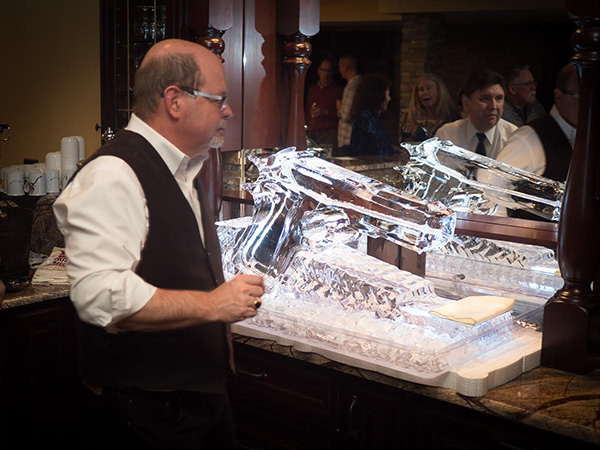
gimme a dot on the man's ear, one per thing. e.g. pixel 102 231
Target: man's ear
pixel 511 90
pixel 464 100
pixel 171 98
pixel 557 96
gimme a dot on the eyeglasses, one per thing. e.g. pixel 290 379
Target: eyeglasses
pixel 220 99
pixel 528 84
pixel 572 94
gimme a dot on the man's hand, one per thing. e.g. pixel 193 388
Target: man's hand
pixel 168 309
pixel 234 301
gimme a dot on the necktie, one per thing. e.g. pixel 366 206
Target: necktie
pixel 480 149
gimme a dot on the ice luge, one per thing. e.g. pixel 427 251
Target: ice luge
pixel 477 266
pixel 466 181
pixel 292 183
pixel 307 212
pixel 356 303
pixel 513 254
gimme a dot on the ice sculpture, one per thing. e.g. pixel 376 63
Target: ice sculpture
pixel 319 289
pixel 477 266
pixel 466 181
pixel 350 301
pixel 300 199
pixel 522 256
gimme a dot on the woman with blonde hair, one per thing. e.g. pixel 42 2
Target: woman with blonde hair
pixel 430 107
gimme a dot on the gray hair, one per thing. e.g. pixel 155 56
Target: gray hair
pixel 154 75
pixel 514 73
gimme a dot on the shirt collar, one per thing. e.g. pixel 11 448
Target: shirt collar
pixel 179 164
pixel 569 130
pixel 472 131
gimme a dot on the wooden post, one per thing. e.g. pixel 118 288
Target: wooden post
pixel 571 339
pixel 297 22
pixel 206 22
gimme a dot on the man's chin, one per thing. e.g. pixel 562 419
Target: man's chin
pixel 218 140
pixel 492 121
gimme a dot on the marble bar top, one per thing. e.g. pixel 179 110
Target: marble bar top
pixel 33 294
pixel 543 398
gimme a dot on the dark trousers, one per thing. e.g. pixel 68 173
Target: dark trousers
pixel 135 419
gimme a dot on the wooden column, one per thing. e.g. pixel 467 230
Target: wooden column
pixel 571 339
pixel 206 21
pixel 297 22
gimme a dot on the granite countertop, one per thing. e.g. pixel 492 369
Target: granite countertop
pixel 543 398
pixel 33 294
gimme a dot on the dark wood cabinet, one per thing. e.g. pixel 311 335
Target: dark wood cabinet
pixel 375 416
pixel 39 343
pixel 283 403
pixel 38 374
pixel 127 31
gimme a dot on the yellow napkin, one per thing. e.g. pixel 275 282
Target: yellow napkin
pixel 474 310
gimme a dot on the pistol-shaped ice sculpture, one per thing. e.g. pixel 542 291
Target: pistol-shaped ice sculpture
pixel 466 181
pixel 319 290
pixel 300 199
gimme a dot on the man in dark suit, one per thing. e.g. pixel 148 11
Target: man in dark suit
pixel 544 146
pixel 144 265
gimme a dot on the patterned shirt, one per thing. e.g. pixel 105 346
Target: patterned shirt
pixel 521 116
pixel 345 124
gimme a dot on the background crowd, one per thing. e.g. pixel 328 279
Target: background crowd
pixel 493 114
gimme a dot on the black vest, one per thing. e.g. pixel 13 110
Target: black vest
pixel 556 146
pixel 558 156
pixel 194 358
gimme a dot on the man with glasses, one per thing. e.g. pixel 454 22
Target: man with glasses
pixel 521 106
pixel 544 146
pixel 144 265
pixel 321 109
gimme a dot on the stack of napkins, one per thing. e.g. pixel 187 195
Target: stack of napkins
pixel 474 310
pixel 52 271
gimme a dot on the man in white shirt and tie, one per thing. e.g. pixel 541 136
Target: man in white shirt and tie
pixel 483 131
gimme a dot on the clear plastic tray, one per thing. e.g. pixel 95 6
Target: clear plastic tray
pixel 394 352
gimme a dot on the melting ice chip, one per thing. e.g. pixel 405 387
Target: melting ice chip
pixel 297 193
pixel 470 182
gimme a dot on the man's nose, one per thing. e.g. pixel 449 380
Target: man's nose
pixel 227 112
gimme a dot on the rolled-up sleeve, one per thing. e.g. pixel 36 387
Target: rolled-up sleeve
pixel 104 218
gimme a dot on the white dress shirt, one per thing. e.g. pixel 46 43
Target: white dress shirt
pixel 104 217
pixel 463 134
pixel 525 150
pixel 345 123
